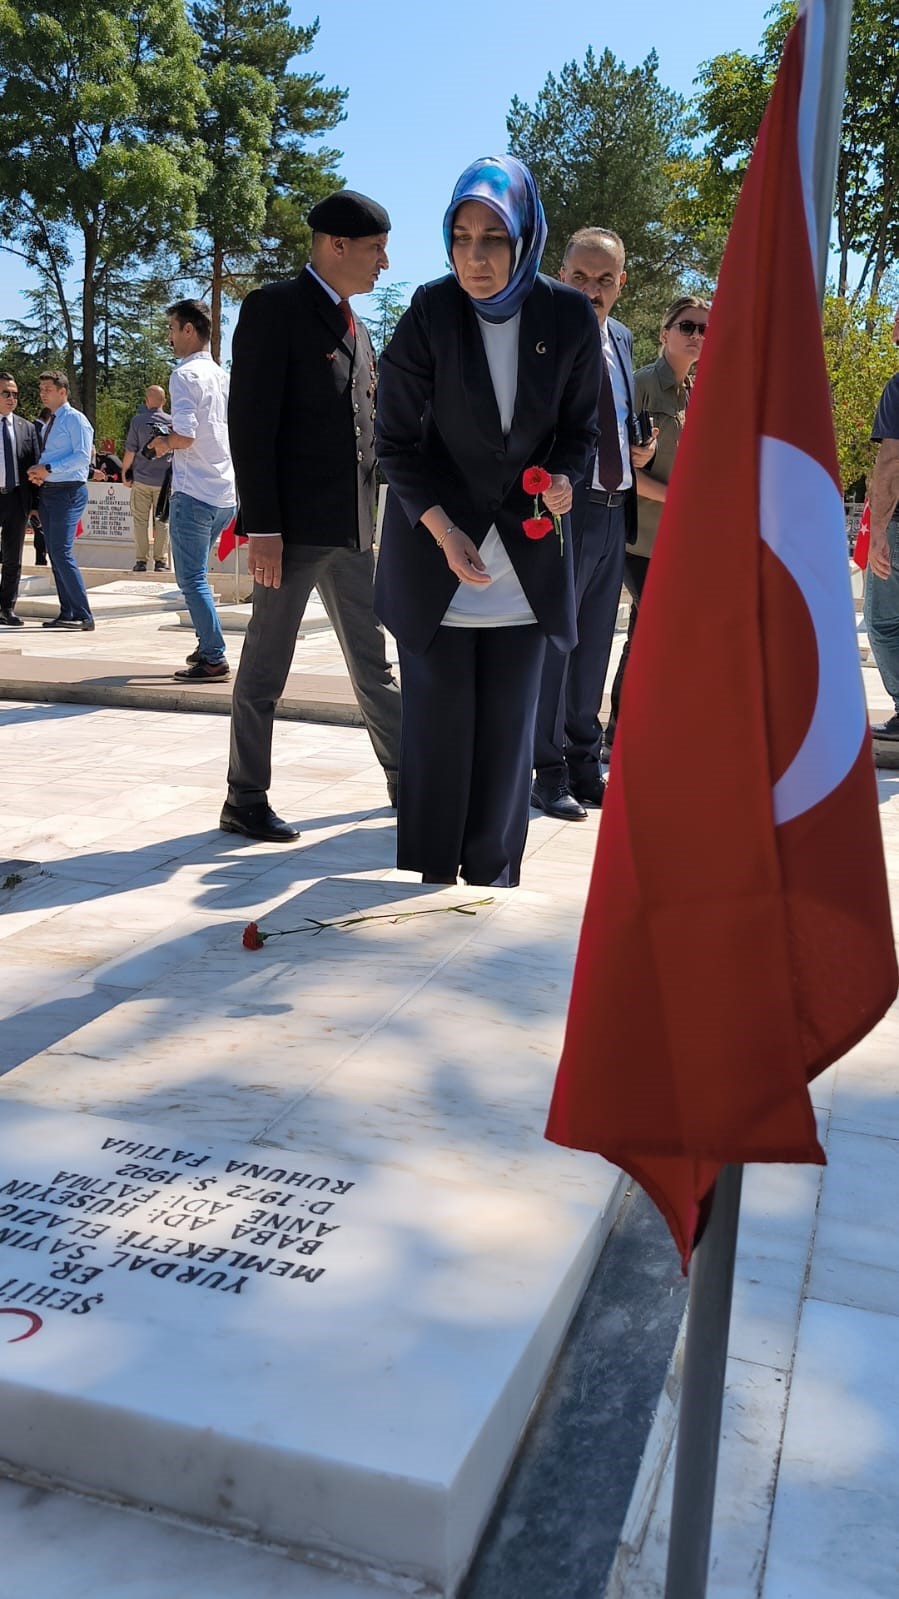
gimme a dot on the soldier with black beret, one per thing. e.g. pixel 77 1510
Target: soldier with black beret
pixel 301 420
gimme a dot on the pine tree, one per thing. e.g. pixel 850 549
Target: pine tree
pixel 261 116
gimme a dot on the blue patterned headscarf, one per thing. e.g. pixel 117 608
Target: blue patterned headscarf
pixel 506 185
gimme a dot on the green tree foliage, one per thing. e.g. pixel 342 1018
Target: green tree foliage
pixel 734 90
pixel 100 106
pixel 861 359
pixel 388 305
pixel 607 145
pixel 263 178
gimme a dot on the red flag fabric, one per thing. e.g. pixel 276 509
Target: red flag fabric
pixel 863 538
pixel 228 539
pixel 737 935
pixel 79 529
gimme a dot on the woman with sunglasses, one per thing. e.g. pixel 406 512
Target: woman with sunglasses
pixel 663 389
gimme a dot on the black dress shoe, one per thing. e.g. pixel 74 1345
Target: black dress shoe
pixel 886 730
pixel 88 625
pixel 9 619
pixel 589 790
pixel 256 821
pixel 555 800
pixel 203 671
pixel 62 621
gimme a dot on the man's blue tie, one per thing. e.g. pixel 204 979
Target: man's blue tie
pixel 9 460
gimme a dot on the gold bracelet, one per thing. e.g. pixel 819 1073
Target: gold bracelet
pixel 445 535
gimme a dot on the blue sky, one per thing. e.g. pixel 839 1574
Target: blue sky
pixel 430 85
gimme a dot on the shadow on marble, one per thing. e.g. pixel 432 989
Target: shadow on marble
pixel 75 1548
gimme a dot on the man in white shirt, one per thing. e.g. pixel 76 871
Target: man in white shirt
pixel 203 493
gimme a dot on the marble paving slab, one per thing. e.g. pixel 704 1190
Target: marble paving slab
pixel 835 1531
pixel 61 1544
pixel 337 1357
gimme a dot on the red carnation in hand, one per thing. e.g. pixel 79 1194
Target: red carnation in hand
pixel 252 938
pixel 536 480
pixel 537 527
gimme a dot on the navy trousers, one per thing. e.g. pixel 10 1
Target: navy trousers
pixel 61 506
pixel 568 733
pixel 469 704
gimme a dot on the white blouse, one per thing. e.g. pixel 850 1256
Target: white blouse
pixel 501 603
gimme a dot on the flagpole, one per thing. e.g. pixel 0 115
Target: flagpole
pixel 837 23
pixel 702 1392
pixel 712 1268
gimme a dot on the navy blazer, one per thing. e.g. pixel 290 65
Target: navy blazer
pixel 440 441
pixel 28 448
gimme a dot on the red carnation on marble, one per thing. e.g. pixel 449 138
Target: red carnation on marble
pixel 536 480
pixel 252 938
pixel 537 527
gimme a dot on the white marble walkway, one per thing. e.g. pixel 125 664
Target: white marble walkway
pixel 412 1057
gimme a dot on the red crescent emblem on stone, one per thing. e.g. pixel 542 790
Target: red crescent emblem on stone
pixel 36 1324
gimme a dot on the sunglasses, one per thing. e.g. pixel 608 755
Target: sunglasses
pixel 688 328
pixel 10 394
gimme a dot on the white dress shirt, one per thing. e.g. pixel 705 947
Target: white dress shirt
pixel 199 391
pixel 7 423
pixel 503 602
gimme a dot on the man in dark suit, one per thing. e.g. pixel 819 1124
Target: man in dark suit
pixel 604 517
pixel 301 421
pixel 20 449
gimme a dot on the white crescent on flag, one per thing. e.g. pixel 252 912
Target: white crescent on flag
pixel 801 520
pixel 795 493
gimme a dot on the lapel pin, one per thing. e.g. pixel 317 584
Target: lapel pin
pixel 540 347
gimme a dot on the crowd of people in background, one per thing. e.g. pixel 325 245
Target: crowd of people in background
pixel 527 465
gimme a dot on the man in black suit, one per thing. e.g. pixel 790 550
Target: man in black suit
pixel 301 421
pixel 604 517
pixel 20 449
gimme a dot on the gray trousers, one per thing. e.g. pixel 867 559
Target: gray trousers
pixel 344 581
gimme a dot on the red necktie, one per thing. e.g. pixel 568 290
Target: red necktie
pixel 608 456
pixel 348 317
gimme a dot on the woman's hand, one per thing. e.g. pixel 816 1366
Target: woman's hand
pixel 558 498
pixel 462 558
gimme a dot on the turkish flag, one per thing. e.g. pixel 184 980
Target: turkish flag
pixel 737 935
pixel 863 538
pixel 229 539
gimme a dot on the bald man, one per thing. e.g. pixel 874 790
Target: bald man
pixel 146 477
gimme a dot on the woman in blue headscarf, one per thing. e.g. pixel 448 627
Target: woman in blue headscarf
pixel 492 370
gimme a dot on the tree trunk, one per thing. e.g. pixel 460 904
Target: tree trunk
pixel 89 330
pixel 218 263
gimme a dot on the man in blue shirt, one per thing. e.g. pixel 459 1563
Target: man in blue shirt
pixel 61 475
pixel 882 581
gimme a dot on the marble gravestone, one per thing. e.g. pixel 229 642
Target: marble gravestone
pixel 338 1359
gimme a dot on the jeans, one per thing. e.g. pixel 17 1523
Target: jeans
pixel 882 616
pixel 194 527
pixel 61 506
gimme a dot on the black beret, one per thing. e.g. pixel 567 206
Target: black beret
pixel 348 215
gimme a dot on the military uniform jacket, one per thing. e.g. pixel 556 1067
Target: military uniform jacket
pixel 440 442
pixel 301 418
